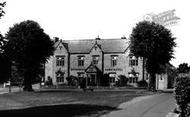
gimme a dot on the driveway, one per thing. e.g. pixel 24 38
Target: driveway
pixel 148 106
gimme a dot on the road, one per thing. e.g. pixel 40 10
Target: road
pixel 149 106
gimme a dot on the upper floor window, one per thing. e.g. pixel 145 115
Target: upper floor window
pixel 133 61
pixel 95 59
pixel 114 60
pixel 60 60
pixel 80 60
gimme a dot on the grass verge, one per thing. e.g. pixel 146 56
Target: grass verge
pixel 63 102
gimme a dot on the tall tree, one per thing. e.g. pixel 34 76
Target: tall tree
pixel 2 12
pixel 183 68
pixel 2 39
pixel 29 47
pixel 4 63
pixel 155 44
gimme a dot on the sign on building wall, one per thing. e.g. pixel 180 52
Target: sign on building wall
pixel 116 69
pixel 73 69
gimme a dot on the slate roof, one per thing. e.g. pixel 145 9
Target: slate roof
pixel 84 46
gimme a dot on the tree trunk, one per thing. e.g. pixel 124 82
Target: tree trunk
pixel 28 81
pixel 152 82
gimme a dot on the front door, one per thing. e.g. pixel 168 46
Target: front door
pixel 92 79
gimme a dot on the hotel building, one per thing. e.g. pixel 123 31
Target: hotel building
pixel 92 58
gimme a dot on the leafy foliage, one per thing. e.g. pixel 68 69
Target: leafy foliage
pixel 172 75
pixel 4 68
pixel 183 68
pixel 2 39
pixel 142 83
pixel 182 95
pixel 2 12
pixel 72 80
pixel 30 48
pixel 4 62
pixel 104 81
pixel 49 81
pixel 122 81
pixel 153 42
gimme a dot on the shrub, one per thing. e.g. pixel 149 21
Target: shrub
pixel 142 83
pixel 104 81
pixel 122 81
pixel 182 95
pixel 72 80
pixel 83 83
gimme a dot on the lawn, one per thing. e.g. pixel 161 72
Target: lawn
pixel 64 102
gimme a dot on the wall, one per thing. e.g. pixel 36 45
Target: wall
pixel 74 68
pixel 120 68
pixel 49 68
pixel 161 81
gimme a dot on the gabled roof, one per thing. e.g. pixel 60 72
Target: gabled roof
pixel 60 42
pixel 84 46
pixel 92 69
pixel 96 45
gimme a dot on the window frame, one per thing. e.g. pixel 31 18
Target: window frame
pixel 60 60
pixel 60 78
pixel 133 61
pixel 114 59
pixel 81 61
pixel 95 59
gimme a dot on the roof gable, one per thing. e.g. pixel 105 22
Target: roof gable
pixel 60 45
pixel 113 45
pixel 85 46
pixel 96 47
pixel 92 69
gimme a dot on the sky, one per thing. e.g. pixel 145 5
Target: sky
pixel 86 19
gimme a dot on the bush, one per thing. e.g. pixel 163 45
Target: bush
pixel 72 80
pixel 83 83
pixel 182 95
pixel 104 81
pixel 142 83
pixel 122 81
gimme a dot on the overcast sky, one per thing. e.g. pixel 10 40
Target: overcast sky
pixel 85 19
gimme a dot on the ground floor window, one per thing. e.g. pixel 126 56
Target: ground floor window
pixel 60 79
pixel 133 79
pixel 60 76
pixel 112 77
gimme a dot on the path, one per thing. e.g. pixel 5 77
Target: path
pixel 149 106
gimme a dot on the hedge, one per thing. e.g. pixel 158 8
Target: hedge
pixel 182 95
